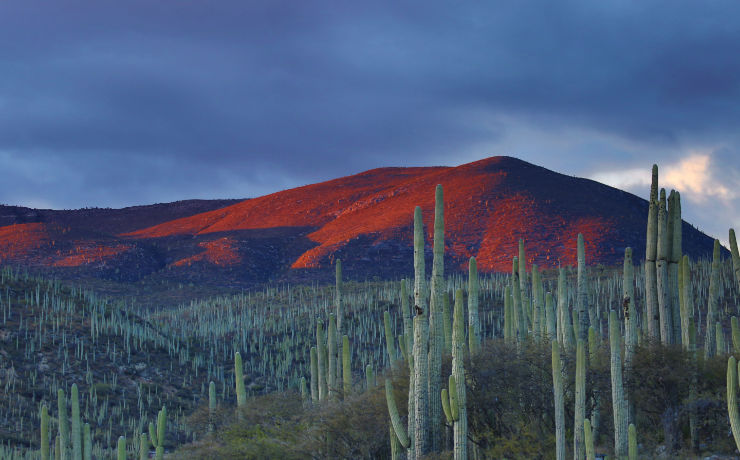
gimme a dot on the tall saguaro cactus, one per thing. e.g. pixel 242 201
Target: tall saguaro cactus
pixel 322 357
pixel 629 306
pixel 674 259
pixel 663 283
pixel 436 330
pixel 421 340
pixel 732 381
pixel 580 402
pixel 340 315
pixel 651 254
pixel 76 424
pixel 332 354
pixel 44 432
pixel 557 387
pixel 241 394
pixel 582 289
pixel 619 403
pixel 735 256
pixel 458 346
pixel 63 423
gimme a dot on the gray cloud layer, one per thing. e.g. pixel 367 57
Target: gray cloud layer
pixel 113 103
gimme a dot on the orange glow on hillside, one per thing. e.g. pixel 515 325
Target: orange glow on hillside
pixel 222 252
pixel 85 253
pixel 20 240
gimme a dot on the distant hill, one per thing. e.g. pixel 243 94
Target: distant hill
pixel 364 219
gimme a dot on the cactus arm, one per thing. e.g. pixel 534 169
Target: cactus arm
pixel 398 427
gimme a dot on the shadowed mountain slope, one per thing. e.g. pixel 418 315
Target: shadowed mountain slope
pixel 364 219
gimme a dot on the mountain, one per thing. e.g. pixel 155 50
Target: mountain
pixel 364 219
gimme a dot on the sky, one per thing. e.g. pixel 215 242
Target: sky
pixel 111 103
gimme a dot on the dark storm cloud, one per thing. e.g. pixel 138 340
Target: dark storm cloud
pixel 114 103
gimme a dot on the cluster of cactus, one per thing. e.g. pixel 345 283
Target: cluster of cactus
pixel 81 441
pixel 431 334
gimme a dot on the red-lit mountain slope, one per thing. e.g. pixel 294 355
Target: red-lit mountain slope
pixel 366 220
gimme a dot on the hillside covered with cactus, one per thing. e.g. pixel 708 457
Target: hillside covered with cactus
pixel 364 219
pixel 582 360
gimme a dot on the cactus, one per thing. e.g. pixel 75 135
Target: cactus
pixel 629 307
pixel 398 428
pixel 458 345
pixel 580 401
pixel 674 259
pixel 595 421
pixel 369 377
pixel 76 424
pixel 143 447
pixel 522 273
pixel 520 323
pixel 651 286
pixel 241 394
pixel 713 303
pixel 589 440
pixel 390 344
pixel 732 381
pixel 314 376
pixel 346 366
pixel 735 256
pixel 565 331
pixel 473 320
pixel 87 443
pixel 44 433
pixel 619 403
pixel 508 315
pixel 340 316
pixel 63 424
pixel 157 437
pixel 720 335
pixel 687 301
pixel 421 339
pixel 331 376
pixel 436 332
pixel 121 448
pixel 664 306
pixel 632 443
pixel 447 322
pixel 212 403
pixel 557 387
pixel 322 356
pixel 581 299
pixel 396 448
pixel 551 317
pixel 57 448
pixel 735 335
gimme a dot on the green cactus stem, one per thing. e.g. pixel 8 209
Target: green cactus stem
pixel 143 447
pixel 87 443
pixel 508 316
pixel 346 366
pixel 63 423
pixel 674 259
pixel 651 253
pixel 447 322
pixel 314 375
pixel 436 329
pixel 121 448
pixel 557 387
pixel 458 345
pixel 632 443
pixel 44 433
pixel 581 292
pixel 331 375
pixel 732 382
pixel 390 344
pixel 322 358
pixel 664 306
pixel 735 335
pixel 421 341
pixel 580 401
pixel 398 428
pixel 76 424
pixel 589 440
pixel 735 256
pixel 629 307
pixel 619 403
pixel 241 394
